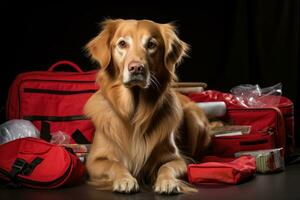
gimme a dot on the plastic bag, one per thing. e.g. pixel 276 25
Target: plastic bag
pixel 17 128
pixel 60 138
pixel 256 97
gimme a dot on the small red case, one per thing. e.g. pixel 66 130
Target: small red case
pixel 215 170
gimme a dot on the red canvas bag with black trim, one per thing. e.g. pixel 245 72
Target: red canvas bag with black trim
pixel 35 163
pixel 271 127
pixel 53 100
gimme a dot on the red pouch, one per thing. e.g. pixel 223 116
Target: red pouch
pixel 35 163
pixel 222 170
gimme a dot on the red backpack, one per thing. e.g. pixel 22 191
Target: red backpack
pixel 53 101
pixel 34 163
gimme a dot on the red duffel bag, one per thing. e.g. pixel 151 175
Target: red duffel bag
pixel 53 101
pixel 35 163
pixel 271 127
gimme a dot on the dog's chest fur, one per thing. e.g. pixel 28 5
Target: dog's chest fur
pixel 138 154
pixel 146 135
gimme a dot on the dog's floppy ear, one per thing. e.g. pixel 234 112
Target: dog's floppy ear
pixel 175 49
pixel 99 48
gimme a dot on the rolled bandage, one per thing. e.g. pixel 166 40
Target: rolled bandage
pixel 213 109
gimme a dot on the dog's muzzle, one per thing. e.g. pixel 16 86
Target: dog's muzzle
pixel 136 74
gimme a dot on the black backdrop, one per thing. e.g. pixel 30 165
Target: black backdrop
pixel 233 42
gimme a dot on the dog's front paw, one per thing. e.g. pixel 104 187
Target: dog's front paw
pixel 126 184
pixel 167 186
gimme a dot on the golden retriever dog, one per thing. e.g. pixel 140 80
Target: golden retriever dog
pixel 145 131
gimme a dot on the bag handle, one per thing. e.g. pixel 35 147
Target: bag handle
pixel 64 62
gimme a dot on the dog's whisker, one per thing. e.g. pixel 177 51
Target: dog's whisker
pixel 155 83
pixel 154 80
pixel 153 75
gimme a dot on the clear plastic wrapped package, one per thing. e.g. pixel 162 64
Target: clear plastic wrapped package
pixel 17 128
pixel 60 137
pixel 256 97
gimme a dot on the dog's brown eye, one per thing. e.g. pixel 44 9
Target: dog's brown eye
pixel 151 45
pixel 122 44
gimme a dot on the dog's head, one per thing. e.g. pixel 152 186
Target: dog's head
pixel 138 52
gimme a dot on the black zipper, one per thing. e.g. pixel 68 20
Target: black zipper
pixel 255 142
pixel 269 130
pixel 58 92
pixel 55 118
pixel 38 183
pixel 42 80
pixel 64 81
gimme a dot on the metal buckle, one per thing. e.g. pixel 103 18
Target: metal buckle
pixel 19 164
pixel 18 167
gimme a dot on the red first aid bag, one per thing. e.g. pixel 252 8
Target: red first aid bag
pixel 222 170
pixel 271 127
pixel 34 163
pixel 53 100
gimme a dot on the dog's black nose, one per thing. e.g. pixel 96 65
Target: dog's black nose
pixel 135 67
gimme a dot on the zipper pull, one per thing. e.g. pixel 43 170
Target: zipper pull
pixel 269 130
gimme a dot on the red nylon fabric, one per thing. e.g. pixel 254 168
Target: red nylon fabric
pixel 58 168
pixel 215 170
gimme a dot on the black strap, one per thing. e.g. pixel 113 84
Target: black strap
pixel 30 167
pixel 79 138
pixel 17 167
pixel 55 118
pixel 20 166
pixel 45 131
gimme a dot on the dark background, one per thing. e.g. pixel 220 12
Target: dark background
pixel 233 42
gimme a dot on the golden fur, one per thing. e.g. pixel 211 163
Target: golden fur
pixel 144 130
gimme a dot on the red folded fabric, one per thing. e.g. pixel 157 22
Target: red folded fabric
pixel 222 170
